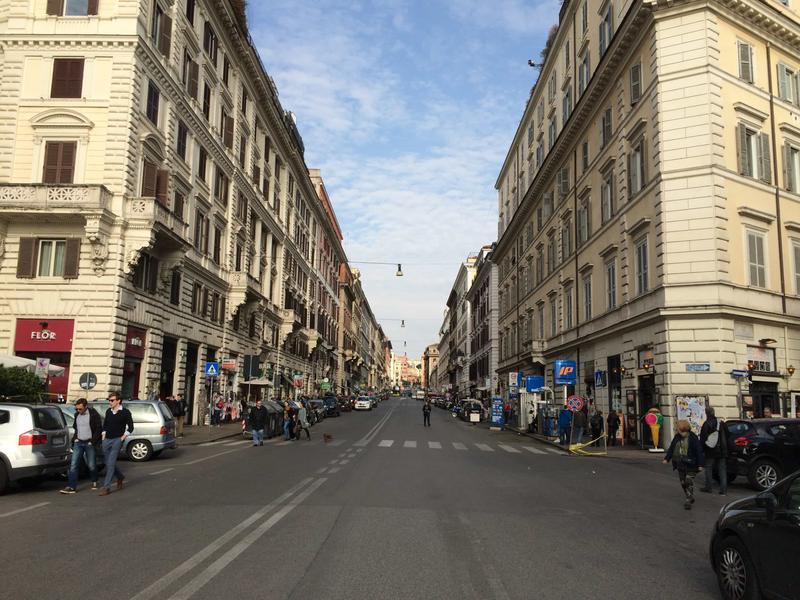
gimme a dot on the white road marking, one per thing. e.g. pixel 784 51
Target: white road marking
pixel 22 510
pixel 485 447
pixel 554 450
pixel 344 462
pixel 333 462
pixel 334 469
pixel 533 449
pixel 508 448
pixel 284 443
pixel 162 471
pixel 351 456
pixel 239 443
pixel 199 460
pixel 459 446
pixel 159 585
pixel 336 443
pixel 409 444
pixel 360 450
pixel 435 445
pixel 386 443
pixel 374 431
pixel 223 561
pixel 204 444
pixel 322 470
pixel 343 454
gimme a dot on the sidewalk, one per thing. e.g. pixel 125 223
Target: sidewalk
pixel 202 434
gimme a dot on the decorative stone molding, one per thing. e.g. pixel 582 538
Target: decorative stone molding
pixel 758 215
pixel 16 194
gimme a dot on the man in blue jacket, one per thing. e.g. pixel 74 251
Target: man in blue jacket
pixel 564 425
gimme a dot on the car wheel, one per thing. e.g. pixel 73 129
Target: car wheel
pixel 763 474
pixel 735 572
pixel 3 479
pixel 140 450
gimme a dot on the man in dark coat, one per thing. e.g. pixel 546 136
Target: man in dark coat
pixel 579 422
pixel 88 434
pixel 613 427
pixel 715 448
pixel 258 422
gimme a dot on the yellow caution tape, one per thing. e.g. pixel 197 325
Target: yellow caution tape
pixel 579 448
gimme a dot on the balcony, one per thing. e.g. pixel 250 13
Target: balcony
pixel 147 213
pixel 36 198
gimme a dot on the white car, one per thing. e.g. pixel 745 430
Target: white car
pixel 363 404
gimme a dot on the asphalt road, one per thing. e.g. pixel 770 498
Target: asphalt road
pixel 386 509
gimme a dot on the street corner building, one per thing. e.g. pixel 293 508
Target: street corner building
pixel 649 216
pixel 156 211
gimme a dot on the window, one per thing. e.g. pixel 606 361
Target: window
pixel 202 162
pixel 587 298
pixel 155 182
pixel 190 74
pixel 71 8
pixel 175 288
pixel 606 28
pixel 566 239
pixel 190 6
pixel 753 152
pixel 551 88
pixel 606 129
pixel 788 84
pixel 636 83
pixel 161 30
pixel 641 266
pixel 755 259
pixel 636 167
pixel 197 298
pixel 585 156
pixel 551 133
pixel 210 44
pixel 206 102
pixel 153 98
pixel 584 221
pixel 791 157
pixel 607 197
pixel 540 115
pixel 181 140
pixel 226 127
pixel 583 71
pixel 67 79
pixel 244 101
pixel 796 252
pixel 611 285
pixel 745 53
pixel 553 317
pixel 551 254
pixel 567 105
pixel 59 162
pixel 530 133
pixel 568 307
pixel 221 187
pixel 539 155
pixel 201 227
pixel 585 17
pixel 540 320
pixel 226 70
pixel 562 182
pixel 539 266
pixel 145 275
pixel 217 253
pixel 51 258
pixel 242 150
pixel 179 203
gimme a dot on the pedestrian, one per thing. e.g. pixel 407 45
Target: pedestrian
pixel 715 448
pixel 302 422
pixel 686 454
pixel 579 422
pixel 88 435
pixel 426 414
pixel 506 414
pixel 596 423
pixel 613 426
pixel 117 426
pixel 258 422
pixel 287 421
pixel 180 414
pixel 564 425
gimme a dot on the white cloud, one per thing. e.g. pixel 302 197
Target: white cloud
pixel 513 16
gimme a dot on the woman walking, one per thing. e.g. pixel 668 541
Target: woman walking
pixel 686 454
pixel 713 437
pixel 613 426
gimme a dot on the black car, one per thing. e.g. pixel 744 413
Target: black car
pixel 754 547
pixel 763 450
pixel 331 406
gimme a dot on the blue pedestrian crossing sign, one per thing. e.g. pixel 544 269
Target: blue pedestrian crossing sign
pixel 212 369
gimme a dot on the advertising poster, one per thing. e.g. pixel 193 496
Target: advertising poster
pixel 497 411
pixel 692 409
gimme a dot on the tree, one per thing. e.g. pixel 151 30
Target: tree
pixel 19 382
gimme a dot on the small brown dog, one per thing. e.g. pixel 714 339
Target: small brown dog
pixel 327 437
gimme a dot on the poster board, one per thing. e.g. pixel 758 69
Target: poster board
pixel 692 408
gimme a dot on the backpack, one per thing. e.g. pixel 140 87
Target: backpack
pixel 713 437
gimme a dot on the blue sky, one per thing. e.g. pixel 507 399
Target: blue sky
pixel 408 108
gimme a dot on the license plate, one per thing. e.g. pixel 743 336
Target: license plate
pixel 58 440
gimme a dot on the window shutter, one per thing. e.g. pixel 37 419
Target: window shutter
pixel 256 174
pixel 152 283
pixel 741 148
pixel 228 133
pixel 643 181
pixel 194 78
pixel 26 261
pixel 783 82
pixel 765 171
pixel 788 171
pixel 165 37
pixel 59 162
pixel 54 7
pixel 67 79
pixel 629 161
pixel 149 176
pixel 51 161
pixel 162 185
pixel 745 62
pixel 72 258
pixel 92 7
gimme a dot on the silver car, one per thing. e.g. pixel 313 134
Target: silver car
pixel 34 443
pixel 153 428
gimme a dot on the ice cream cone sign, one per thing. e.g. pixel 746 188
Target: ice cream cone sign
pixel 654 419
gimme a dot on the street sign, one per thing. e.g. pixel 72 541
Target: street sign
pixel 698 367
pixel 228 364
pixel 88 381
pixel 42 365
pixel 738 373
pixel 497 412
pixel 575 403
pixel 513 379
pixel 600 379
pixel 533 383
pixel 566 372
pixel 212 369
pixel 325 386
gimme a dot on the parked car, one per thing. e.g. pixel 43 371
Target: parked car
pixel 331 406
pixel 754 545
pixel 153 428
pixel 345 404
pixel 317 407
pixel 362 403
pixel 469 408
pixel 420 394
pixel 34 443
pixel 763 450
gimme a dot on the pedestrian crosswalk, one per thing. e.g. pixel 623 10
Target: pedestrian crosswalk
pixel 436 445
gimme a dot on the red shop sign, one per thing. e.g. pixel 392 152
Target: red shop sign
pixel 44 335
pixel 134 342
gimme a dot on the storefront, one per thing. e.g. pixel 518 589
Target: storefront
pixel 134 355
pixel 47 338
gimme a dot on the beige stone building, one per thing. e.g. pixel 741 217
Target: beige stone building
pixel 649 212
pixel 156 211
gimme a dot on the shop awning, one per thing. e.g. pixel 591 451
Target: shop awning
pixel 11 362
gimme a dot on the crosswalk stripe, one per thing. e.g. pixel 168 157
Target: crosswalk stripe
pixel 485 447
pixel 435 445
pixel 410 444
pixel 508 448
pixel 459 446
pixel 533 449
pixel 336 443
pixel 386 443
pixel 553 450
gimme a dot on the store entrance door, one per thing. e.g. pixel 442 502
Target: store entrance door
pixel 765 399
pixel 647 400
pixel 190 380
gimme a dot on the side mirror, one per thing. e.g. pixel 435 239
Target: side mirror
pixel 768 501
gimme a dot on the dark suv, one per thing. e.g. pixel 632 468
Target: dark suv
pixel 763 450
pixel 331 406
